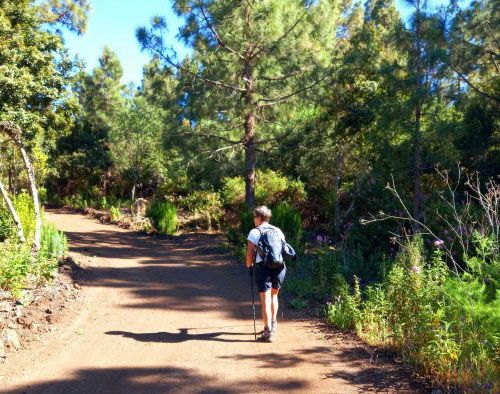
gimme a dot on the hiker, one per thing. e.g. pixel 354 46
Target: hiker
pixel 268 280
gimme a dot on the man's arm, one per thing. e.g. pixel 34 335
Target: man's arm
pixel 250 254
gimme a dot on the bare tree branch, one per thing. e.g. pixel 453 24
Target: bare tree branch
pixel 215 152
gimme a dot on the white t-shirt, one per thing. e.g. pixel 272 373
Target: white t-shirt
pixel 254 236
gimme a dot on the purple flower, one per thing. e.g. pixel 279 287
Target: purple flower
pixel 445 232
pixel 415 269
pixel 439 243
pixel 319 239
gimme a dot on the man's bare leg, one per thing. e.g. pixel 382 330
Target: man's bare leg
pixel 265 299
pixel 274 305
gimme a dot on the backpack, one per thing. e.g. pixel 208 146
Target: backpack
pixel 269 248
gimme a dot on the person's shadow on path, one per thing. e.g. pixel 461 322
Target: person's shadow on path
pixel 182 336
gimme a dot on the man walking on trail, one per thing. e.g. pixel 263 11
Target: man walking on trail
pixel 268 280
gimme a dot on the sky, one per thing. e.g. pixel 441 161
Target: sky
pixel 113 23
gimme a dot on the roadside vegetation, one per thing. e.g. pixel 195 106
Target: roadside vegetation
pixel 373 139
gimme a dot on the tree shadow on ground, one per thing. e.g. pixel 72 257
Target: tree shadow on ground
pixel 182 336
pixel 315 355
pixel 351 365
pixel 152 381
pixel 177 274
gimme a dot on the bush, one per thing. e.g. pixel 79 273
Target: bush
pixel 114 213
pixel 102 203
pixel 14 266
pixel 288 219
pixel 23 204
pixel 164 216
pixel 238 236
pixel 233 191
pixel 444 322
pixel 6 223
pixel 343 313
pixel 207 204
pixel 53 242
pixel 270 188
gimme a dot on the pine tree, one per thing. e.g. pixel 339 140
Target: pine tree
pixel 251 61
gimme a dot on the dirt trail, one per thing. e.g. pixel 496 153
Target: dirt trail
pixel 173 316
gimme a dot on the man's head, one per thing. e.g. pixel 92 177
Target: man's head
pixel 261 215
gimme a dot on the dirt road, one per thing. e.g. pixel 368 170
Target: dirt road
pixel 174 316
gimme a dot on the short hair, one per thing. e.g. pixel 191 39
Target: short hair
pixel 262 212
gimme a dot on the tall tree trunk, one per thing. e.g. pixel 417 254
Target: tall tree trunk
pixel 250 160
pixel 336 186
pixel 14 134
pixel 20 233
pixel 249 144
pixel 418 137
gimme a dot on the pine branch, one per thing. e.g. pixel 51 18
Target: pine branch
pixel 273 101
pixel 181 68
pixel 468 82
pixel 217 35
pixel 284 77
pixel 275 44
pixel 209 135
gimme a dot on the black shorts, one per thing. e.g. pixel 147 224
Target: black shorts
pixel 266 278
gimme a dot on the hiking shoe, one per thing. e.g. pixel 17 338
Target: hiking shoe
pixel 267 335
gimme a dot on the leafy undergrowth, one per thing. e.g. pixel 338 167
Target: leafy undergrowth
pixel 448 324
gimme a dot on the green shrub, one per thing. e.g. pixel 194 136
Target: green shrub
pixel 343 313
pixel 238 236
pixel 270 188
pixel 6 223
pixel 288 219
pixel 53 242
pixel 444 322
pixel 14 266
pixel 233 191
pixel 102 203
pixel 164 216
pixel 207 204
pixel 114 213
pixel 23 204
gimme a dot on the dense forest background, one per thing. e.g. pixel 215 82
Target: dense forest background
pixel 375 139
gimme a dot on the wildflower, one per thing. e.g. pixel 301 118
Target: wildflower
pixel 415 269
pixel 445 232
pixel 439 243
pixel 319 239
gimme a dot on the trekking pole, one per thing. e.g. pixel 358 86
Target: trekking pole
pixel 253 301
